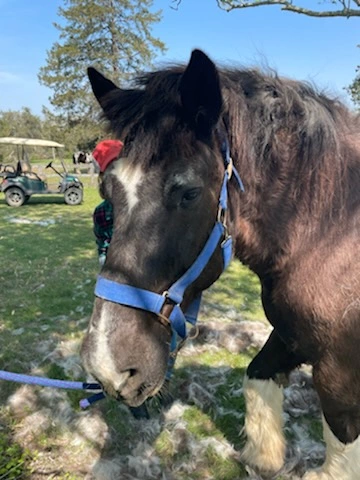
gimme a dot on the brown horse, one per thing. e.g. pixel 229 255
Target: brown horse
pixel 296 226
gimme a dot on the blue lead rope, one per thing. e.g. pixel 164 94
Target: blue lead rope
pixel 51 382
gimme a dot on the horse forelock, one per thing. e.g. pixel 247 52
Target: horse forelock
pixel 143 115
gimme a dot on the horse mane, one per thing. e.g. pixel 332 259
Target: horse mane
pixel 277 126
pixel 293 131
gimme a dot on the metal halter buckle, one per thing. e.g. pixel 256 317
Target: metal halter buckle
pixel 229 168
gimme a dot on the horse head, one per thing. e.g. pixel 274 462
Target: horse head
pixel 165 193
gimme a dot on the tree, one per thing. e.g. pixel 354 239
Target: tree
pixel 21 123
pixel 81 135
pixel 354 89
pixel 337 8
pixel 113 35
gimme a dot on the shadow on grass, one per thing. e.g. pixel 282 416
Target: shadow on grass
pixel 37 199
pixel 210 418
pixel 217 393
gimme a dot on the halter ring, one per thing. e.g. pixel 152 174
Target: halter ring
pixel 163 319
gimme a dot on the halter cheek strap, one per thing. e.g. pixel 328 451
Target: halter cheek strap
pixel 154 302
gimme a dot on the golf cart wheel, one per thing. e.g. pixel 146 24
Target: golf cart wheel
pixel 73 196
pixel 14 197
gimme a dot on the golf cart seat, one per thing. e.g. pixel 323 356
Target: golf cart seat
pixel 18 168
pixel 7 171
pixel 24 172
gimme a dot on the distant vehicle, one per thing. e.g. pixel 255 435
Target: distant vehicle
pixel 20 183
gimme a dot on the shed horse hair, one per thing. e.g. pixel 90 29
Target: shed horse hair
pixel 296 226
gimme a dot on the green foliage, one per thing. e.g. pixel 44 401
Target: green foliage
pixel 354 89
pixel 20 124
pixel 13 459
pixel 25 124
pixel 81 135
pixel 114 35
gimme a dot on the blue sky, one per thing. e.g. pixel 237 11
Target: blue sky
pixel 323 51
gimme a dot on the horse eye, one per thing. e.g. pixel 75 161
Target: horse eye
pixel 189 196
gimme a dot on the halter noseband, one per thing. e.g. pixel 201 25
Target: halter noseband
pixel 154 302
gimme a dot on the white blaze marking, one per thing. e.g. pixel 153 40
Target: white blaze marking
pixel 130 175
pixel 265 443
pixel 103 363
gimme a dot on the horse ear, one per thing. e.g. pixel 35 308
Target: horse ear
pixel 100 85
pixel 200 93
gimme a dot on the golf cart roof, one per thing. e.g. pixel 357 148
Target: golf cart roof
pixel 31 142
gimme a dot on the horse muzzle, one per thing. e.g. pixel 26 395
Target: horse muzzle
pixel 126 352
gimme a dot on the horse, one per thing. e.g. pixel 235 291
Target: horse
pixel 81 157
pixel 86 159
pixel 295 224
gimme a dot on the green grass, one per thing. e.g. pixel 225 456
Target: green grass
pixel 237 289
pixel 14 460
pixel 47 276
pixel 200 427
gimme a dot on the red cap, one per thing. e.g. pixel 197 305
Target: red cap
pixel 107 151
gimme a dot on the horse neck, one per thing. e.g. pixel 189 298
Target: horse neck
pixel 297 190
pixel 251 226
pixel 270 219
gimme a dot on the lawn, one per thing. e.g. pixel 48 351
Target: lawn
pixel 47 276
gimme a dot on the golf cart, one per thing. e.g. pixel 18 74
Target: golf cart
pixel 20 183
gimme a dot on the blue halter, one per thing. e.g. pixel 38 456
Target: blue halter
pixel 154 302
